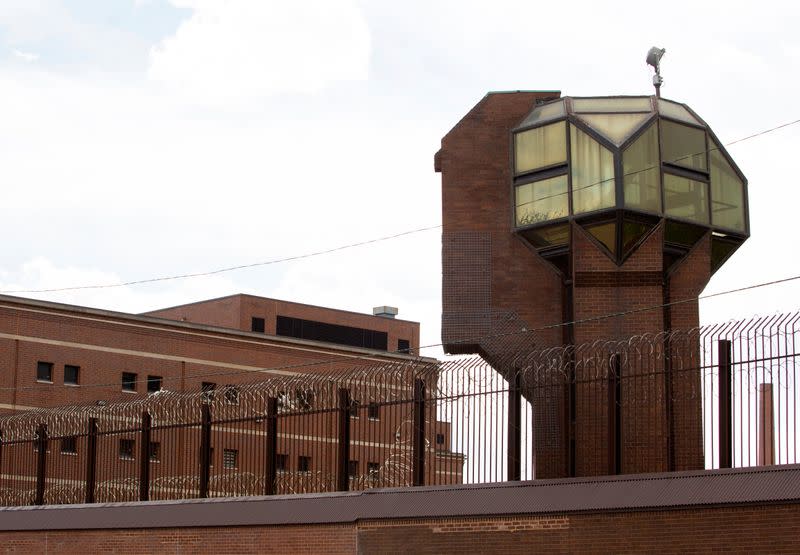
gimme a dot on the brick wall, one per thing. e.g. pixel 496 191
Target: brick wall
pixel 738 529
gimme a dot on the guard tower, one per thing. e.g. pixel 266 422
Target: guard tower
pixel 566 209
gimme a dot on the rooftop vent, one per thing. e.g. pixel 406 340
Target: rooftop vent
pixel 385 311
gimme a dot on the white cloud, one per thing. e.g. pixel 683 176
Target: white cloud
pixel 25 56
pixel 237 50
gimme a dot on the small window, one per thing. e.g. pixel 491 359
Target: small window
pixel 126 447
pixel 374 411
pixel 305 399
pixel 281 462
pixel 230 458
pixel 352 469
pixel 154 383
pixel 283 401
pixel 155 451
pixel 69 446
pixel 403 345
pixel 208 390
pixel 257 324
pixel 355 406
pixel 303 463
pixel 71 374
pixel 439 439
pixel 128 381
pixel 44 371
pixel 231 395
pixel 373 469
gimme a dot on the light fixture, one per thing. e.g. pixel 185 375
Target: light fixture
pixel 654 59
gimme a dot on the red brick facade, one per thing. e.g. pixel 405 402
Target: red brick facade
pixel 500 298
pixel 738 529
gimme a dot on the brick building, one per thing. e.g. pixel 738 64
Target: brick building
pixel 53 355
pixel 561 210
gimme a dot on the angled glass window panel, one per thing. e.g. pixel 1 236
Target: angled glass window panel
pixel 685 198
pixel 727 193
pixel 545 112
pixel 541 147
pixel 641 173
pixel 676 111
pixel 606 233
pixel 622 104
pixel 541 201
pixel 615 127
pixel 592 173
pixel 632 233
pixel 683 145
pixel 685 235
pixel 549 236
pixel 721 250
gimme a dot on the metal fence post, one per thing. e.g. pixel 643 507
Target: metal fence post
pixel 418 441
pixel 144 458
pixel 41 463
pixel 514 427
pixel 270 470
pixel 725 351
pixel 205 448
pixel 614 416
pixel 343 452
pixel 91 459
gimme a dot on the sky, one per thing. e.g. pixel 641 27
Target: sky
pixel 147 138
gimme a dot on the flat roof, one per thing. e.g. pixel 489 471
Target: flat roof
pixel 230 333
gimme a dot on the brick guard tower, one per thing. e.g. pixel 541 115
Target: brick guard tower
pixel 563 209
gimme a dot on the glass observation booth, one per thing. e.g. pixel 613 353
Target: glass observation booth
pixel 618 166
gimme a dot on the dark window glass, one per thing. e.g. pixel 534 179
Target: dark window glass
pixel 230 458
pixel 231 395
pixel 372 469
pixel 548 236
pixel 155 451
pixel 257 324
pixel 439 439
pixel 71 374
pixel 208 390
pixel 403 345
pixel 69 445
pixel 331 333
pixel 128 381
pixel 606 234
pixel 374 411
pixel 303 463
pixel 355 406
pixel 44 371
pixel 126 447
pixel 352 469
pixel 153 383
pixel 281 462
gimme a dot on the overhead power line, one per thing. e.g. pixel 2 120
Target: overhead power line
pixel 339 248
pixel 224 270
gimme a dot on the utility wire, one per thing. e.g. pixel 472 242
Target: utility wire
pixel 229 269
pixel 339 359
pixel 359 244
